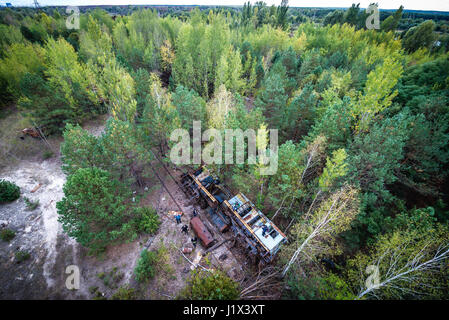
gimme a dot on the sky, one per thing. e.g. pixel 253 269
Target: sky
pixel 437 5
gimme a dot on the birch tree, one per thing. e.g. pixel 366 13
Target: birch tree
pixel 297 167
pixel 404 265
pixel 316 234
pixel 378 92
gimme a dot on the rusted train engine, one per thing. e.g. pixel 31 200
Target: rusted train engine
pixel 261 237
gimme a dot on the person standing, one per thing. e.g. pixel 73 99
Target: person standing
pixel 194 241
pixel 264 230
pixel 178 218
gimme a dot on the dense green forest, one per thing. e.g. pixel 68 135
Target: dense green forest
pixel 363 120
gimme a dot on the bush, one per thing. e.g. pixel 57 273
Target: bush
pixel 22 256
pixel 210 286
pixel 147 220
pixel 8 191
pixel 7 235
pixel 145 268
pixel 319 287
pixel 124 293
pixel 302 288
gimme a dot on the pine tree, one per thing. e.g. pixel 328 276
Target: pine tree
pixel 272 100
pixel 96 210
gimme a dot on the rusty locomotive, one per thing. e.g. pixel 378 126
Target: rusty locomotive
pixel 260 236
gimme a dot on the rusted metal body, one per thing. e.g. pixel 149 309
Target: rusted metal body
pixel 218 219
pixel 249 223
pixel 259 235
pixel 200 185
pixel 202 233
pixel 207 190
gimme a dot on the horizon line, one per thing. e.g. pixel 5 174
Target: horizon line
pixel 208 5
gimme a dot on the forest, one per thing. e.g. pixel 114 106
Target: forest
pixel 362 186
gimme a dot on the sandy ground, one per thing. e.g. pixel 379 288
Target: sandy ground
pixel 38 232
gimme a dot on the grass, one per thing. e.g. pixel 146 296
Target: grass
pixel 111 278
pixel 124 293
pixel 31 205
pixel 7 235
pixel 12 148
pixel 22 256
pixel 47 155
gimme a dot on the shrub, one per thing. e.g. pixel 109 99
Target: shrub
pixel 147 220
pixel 7 235
pixel 31 205
pixel 97 294
pixel 335 288
pixel 204 285
pixel 124 293
pixel 8 191
pixel 302 288
pixel 22 256
pixel 145 268
pixel 318 287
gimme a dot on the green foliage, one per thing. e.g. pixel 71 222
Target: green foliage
pixel 20 59
pixel 374 159
pixel 7 235
pixel 120 150
pixel 189 105
pixel 300 114
pixel 210 286
pixel 378 93
pixel 272 100
pixel 200 48
pixel 328 286
pixel 365 108
pixel 392 22
pixel 302 288
pixel 147 219
pixel 146 266
pixel 9 35
pixel 95 42
pixel 335 125
pixel 8 191
pixel 124 293
pixel 419 36
pixel 61 92
pixel 335 288
pixel 22 256
pixel 139 38
pixel 95 209
pixel 336 167
pixel 116 89
pixel 395 251
pixel 424 79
